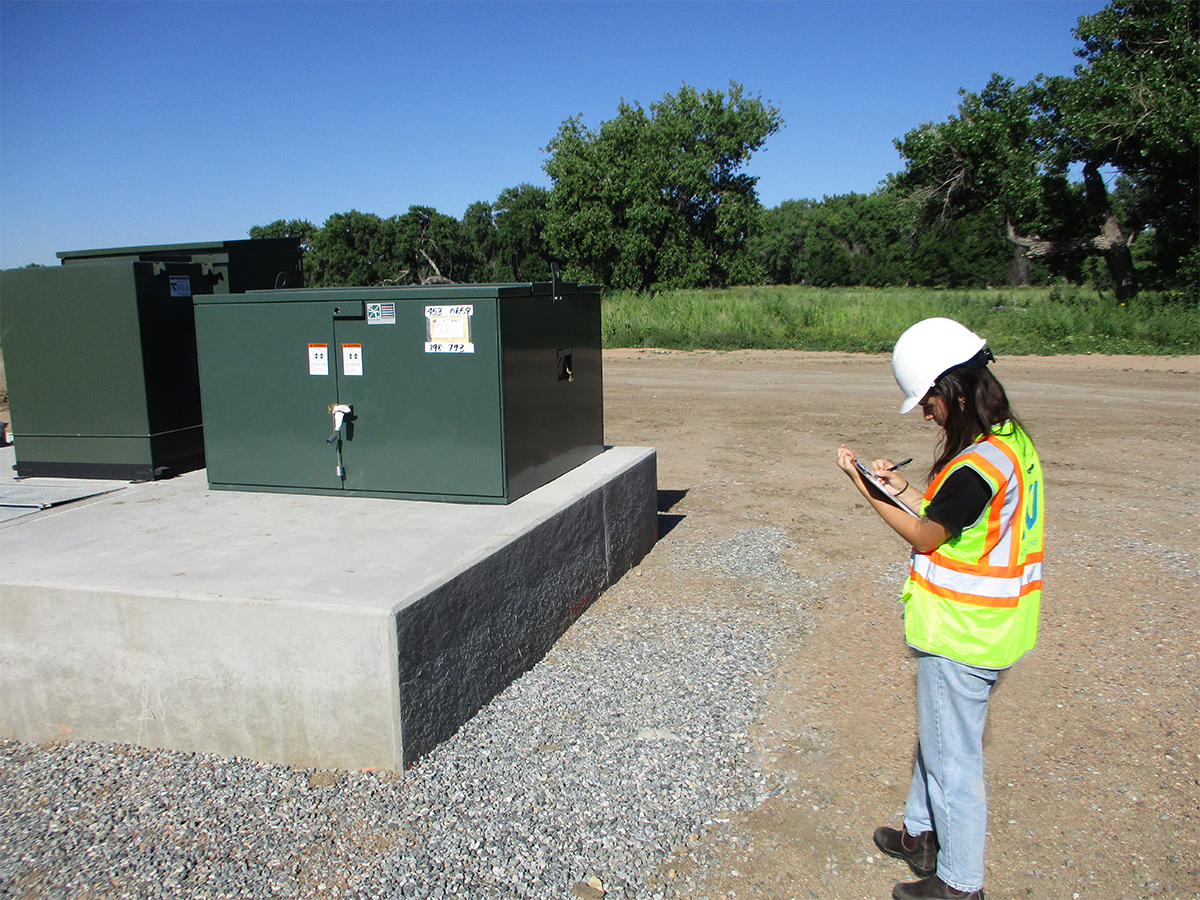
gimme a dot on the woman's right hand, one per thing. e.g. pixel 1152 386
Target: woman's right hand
pixel 882 469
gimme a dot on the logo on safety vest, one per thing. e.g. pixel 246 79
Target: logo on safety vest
pixel 1031 513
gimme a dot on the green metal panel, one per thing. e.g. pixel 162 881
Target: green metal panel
pixel 72 351
pixel 423 423
pixel 423 371
pixel 266 417
pixel 553 384
pixel 100 363
pixel 162 252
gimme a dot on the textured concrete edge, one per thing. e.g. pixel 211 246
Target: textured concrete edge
pixel 622 465
pixel 467 640
pixel 318 684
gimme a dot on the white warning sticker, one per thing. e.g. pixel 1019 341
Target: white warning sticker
pixel 448 329
pixel 352 361
pixel 318 359
pixel 181 286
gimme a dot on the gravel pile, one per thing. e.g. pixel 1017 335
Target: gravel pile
pixel 599 766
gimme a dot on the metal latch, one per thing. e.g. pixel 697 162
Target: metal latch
pixel 340 411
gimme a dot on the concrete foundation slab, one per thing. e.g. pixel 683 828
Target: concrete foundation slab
pixel 309 630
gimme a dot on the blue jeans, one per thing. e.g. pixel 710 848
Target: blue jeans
pixel 947 793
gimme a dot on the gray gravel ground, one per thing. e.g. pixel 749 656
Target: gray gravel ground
pixel 608 759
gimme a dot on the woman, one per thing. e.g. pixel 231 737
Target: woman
pixel 972 596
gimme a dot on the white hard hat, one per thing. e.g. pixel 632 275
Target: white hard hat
pixel 928 349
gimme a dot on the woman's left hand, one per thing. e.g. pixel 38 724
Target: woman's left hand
pixel 846 460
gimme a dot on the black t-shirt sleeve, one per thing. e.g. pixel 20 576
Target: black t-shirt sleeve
pixel 961 499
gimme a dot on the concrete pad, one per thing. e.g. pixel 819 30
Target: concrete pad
pixel 316 631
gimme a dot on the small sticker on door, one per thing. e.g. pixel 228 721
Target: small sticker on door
pixel 448 329
pixel 318 359
pixel 181 286
pixel 381 313
pixel 352 359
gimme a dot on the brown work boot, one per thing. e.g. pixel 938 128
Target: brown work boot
pixel 920 851
pixel 932 888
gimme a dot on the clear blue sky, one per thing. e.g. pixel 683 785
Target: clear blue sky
pixel 124 124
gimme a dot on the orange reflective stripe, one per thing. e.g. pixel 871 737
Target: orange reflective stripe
pixel 936 483
pixel 976 599
pixel 969 568
pixel 996 507
pixel 1019 474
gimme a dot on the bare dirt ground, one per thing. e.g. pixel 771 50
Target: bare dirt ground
pixel 1093 740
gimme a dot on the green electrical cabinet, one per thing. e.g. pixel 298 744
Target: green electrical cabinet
pixel 471 393
pixel 100 353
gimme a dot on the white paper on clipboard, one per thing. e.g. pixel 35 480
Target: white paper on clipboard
pixel 891 498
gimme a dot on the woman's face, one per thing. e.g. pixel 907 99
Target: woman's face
pixel 934 410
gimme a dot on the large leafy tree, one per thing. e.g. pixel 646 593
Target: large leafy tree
pixel 1133 104
pixel 421 246
pixel 282 228
pixel 351 248
pixel 427 247
pixel 656 198
pixel 479 233
pixel 520 250
pixel 841 240
pixel 1130 105
pixel 509 236
pixel 866 239
pixel 966 252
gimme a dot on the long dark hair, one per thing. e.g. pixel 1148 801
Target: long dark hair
pixel 975 404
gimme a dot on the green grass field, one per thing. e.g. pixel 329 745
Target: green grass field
pixel 1042 321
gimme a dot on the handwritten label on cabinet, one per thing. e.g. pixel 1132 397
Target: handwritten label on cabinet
pixel 448 329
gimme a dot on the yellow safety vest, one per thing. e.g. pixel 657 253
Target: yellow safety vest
pixel 976 598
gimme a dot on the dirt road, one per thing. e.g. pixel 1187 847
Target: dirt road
pixel 1093 741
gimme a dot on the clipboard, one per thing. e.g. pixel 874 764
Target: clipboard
pixel 882 488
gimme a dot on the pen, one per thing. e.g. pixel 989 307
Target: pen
pixel 899 464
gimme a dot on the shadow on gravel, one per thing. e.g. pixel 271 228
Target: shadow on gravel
pixel 666 501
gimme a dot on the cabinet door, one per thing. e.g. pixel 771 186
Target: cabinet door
pixel 267 389
pixel 425 419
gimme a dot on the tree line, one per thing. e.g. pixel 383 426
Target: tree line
pixel 1009 190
